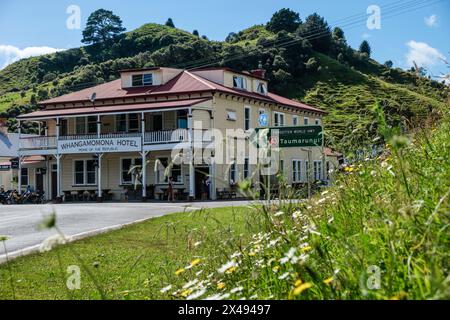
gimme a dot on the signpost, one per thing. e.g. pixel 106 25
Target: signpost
pixel 304 136
pixel 299 136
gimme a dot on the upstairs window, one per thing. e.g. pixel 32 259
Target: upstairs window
pixel 305 121
pixel 139 80
pixel 86 125
pixel 261 88
pixel 127 122
pixel 239 82
pixel 295 120
pixel 317 122
pixel 278 119
pixel 247 118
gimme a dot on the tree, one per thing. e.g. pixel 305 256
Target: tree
pixel 169 23
pixel 338 33
pixel 195 33
pixel 388 64
pixel 102 26
pixel 284 19
pixel 232 37
pixel 364 47
pixel 317 31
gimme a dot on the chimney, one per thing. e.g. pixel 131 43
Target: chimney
pixel 260 72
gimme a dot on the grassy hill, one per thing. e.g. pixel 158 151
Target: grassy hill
pixel 346 89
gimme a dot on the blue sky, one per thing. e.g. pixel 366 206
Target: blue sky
pixel 419 31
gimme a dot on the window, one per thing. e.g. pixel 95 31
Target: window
pixel 278 119
pixel 261 88
pixel 295 120
pixel 317 122
pixel 139 80
pixel 80 126
pixel 233 173
pixel 126 176
pixel 296 170
pixel 231 115
pixel 317 170
pixel 247 118
pixel 328 170
pixel 24 176
pixel 281 169
pixel 133 122
pixel 305 121
pixel 240 82
pixel 246 168
pixel 127 122
pixel 307 171
pixel 176 174
pixel 182 119
pixel 86 125
pixel 85 172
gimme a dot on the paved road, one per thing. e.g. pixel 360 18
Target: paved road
pixel 79 220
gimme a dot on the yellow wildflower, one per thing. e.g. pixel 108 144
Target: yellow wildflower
pixel 186 292
pixel 179 271
pixel 328 281
pixel 302 288
pixel 298 282
pixel 195 262
pixel 230 270
pixel 276 268
pixel 252 253
pixel 306 249
pixel 220 285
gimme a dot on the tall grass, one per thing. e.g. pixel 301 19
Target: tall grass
pixel 380 233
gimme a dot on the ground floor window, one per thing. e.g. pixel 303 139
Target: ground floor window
pixel 318 170
pixel 24 176
pixel 296 170
pixel 85 172
pixel 233 173
pixel 127 164
pixel 176 173
pixel 246 168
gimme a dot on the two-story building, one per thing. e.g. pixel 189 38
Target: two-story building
pixel 91 138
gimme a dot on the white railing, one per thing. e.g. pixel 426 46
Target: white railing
pixel 39 142
pixel 166 136
pixel 101 136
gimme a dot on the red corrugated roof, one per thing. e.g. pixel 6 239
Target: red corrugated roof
pixel 184 83
pixel 112 109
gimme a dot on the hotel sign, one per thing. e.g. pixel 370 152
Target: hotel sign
pixel 300 136
pixel 100 145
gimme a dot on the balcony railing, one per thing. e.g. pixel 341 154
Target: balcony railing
pixel 166 136
pixel 38 142
pixel 152 137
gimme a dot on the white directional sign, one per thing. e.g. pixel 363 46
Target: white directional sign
pixel 100 145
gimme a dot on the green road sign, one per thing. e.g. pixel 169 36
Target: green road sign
pixel 301 136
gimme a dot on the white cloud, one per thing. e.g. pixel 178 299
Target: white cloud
pixel 10 54
pixel 431 21
pixel 422 54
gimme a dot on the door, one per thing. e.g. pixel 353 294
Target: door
pixel 201 192
pixel 39 182
pixel 157 122
pixel 54 182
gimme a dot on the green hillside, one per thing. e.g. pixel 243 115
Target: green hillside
pixel 344 82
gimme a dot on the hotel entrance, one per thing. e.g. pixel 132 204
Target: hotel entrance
pixel 202 191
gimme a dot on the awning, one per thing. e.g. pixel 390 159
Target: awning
pixel 61 112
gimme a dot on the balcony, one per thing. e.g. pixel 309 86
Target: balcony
pixel 45 143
